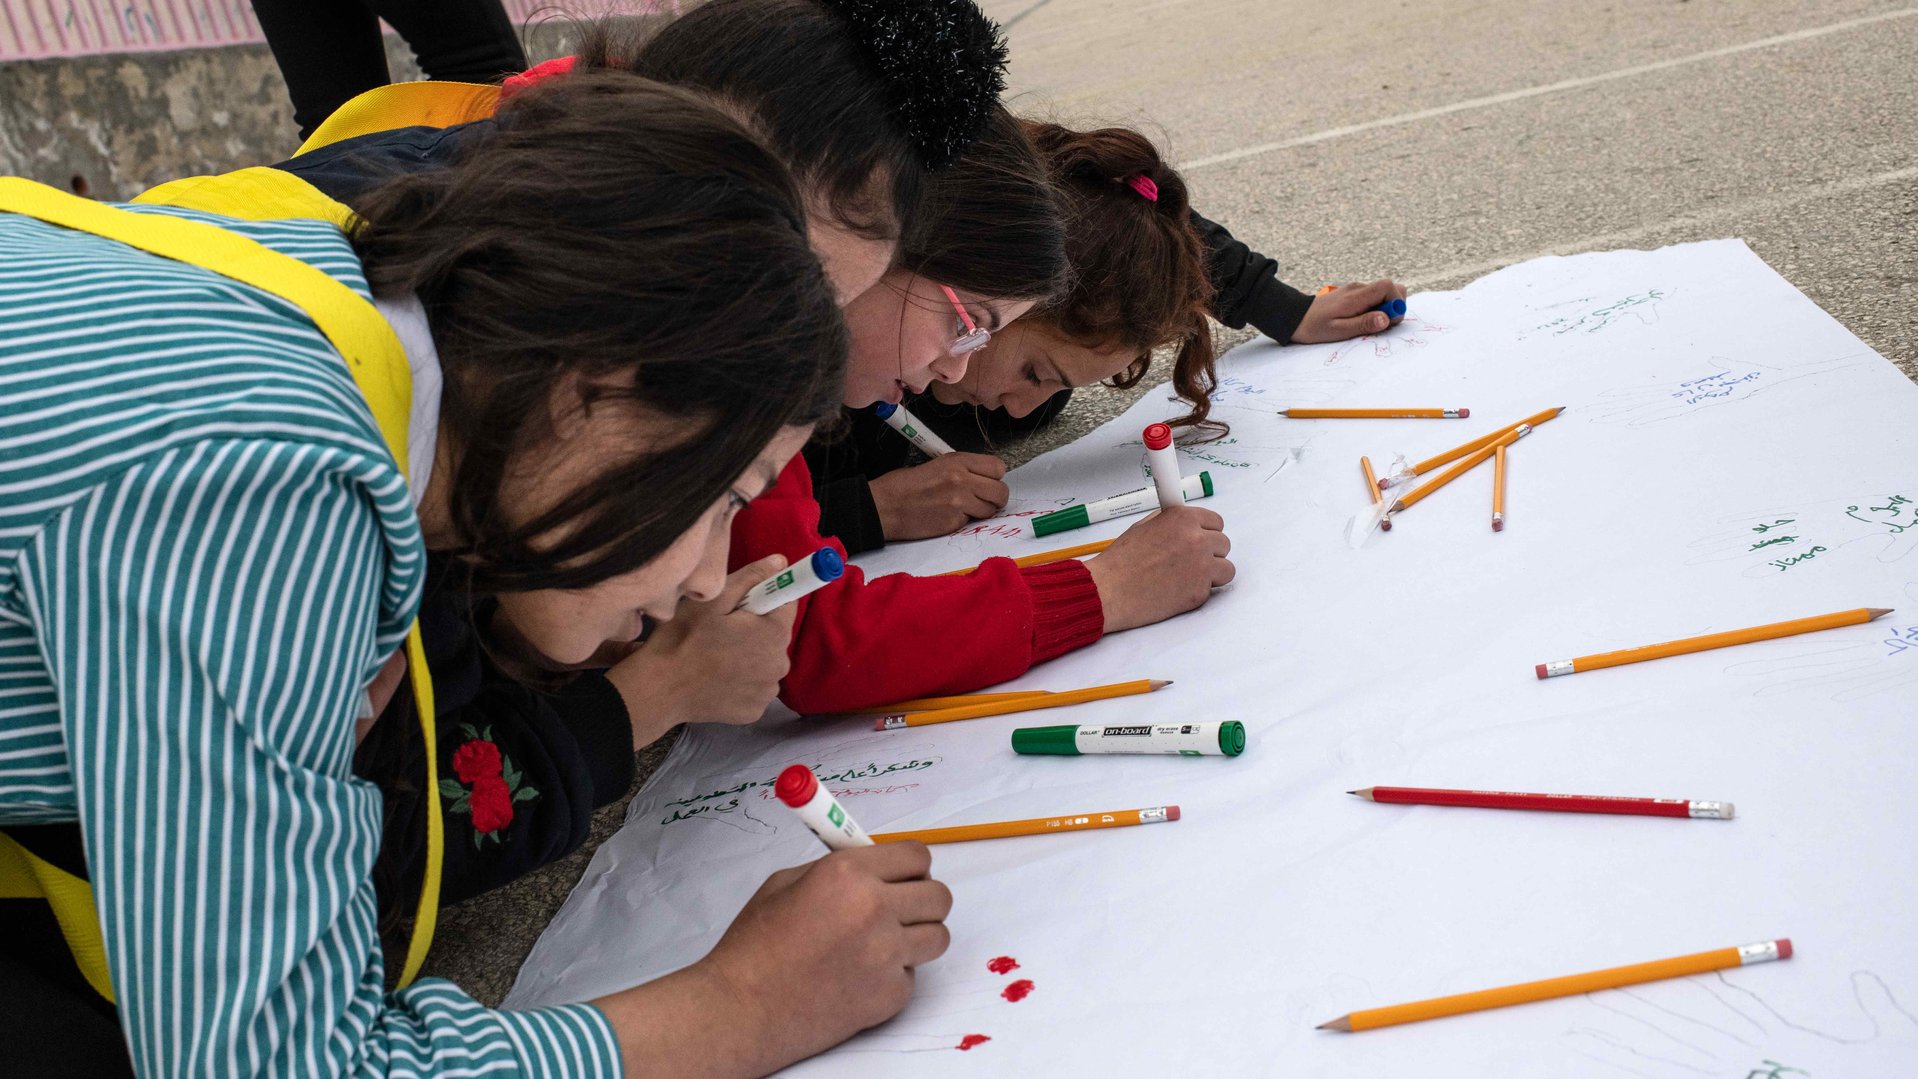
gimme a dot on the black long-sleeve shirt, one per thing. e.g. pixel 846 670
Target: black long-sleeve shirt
pixel 1246 291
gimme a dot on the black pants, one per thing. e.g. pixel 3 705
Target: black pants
pixel 330 50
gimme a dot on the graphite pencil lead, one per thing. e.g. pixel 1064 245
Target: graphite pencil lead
pixel 1879 612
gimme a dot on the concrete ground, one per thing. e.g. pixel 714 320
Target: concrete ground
pixel 1433 142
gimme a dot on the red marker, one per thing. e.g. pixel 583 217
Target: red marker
pixel 1164 462
pixel 1562 803
pixel 815 805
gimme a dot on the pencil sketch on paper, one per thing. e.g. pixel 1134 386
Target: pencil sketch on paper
pixel 1869 661
pixel 1411 333
pixel 1724 381
pixel 1638 307
pixel 1881 526
pixel 1713 1026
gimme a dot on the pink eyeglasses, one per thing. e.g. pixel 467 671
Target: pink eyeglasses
pixel 969 337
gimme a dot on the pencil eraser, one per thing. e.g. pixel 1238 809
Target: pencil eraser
pixel 1541 671
pixel 1172 813
pixel 1784 947
pixel 1385 525
pixel 1499 526
pixel 1464 413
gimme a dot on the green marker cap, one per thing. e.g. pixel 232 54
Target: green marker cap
pixel 1057 741
pixel 1232 738
pixel 1072 517
pixel 1205 483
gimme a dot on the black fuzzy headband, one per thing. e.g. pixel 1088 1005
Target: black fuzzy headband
pixel 944 63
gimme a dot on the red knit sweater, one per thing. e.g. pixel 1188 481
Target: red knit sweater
pixel 859 643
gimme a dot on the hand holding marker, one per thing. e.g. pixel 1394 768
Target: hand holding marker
pixel 1163 459
pixel 823 568
pixel 913 428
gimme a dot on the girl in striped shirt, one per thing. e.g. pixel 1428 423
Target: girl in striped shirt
pixel 208 552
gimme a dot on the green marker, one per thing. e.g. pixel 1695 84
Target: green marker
pixel 1215 738
pixel 1125 505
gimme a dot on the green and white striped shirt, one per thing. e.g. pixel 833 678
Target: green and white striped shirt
pixel 205 553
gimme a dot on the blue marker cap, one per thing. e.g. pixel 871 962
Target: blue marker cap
pixel 884 409
pixel 827 565
pixel 1393 308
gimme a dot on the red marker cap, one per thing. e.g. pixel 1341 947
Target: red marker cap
pixel 796 785
pixel 1158 436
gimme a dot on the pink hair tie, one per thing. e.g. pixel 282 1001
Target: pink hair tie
pixel 1145 187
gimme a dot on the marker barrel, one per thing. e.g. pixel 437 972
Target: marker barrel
pixel 823 568
pixel 818 809
pixel 913 428
pixel 1214 738
pixel 1143 500
pixel 1163 459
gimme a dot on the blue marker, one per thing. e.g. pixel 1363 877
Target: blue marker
pixel 1393 308
pixel 823 568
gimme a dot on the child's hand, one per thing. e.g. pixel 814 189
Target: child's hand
pixel 939 496
pixel 1347 312
pixel 821 952
pixel 1167 564
pixel 710 663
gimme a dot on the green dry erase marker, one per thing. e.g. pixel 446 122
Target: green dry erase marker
pixel 1125 505
pixel 1215 738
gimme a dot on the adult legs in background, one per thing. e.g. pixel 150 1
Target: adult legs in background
pixel 330 51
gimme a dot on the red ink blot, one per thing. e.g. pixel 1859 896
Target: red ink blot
pixel 1003 964
pixel 1017 991
pixel 971 1040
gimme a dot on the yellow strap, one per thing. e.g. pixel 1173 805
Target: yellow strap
pixel 405 104
pixel 24 875
pixel 255 194
pixel 374 356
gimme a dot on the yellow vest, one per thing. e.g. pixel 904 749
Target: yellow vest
pixel 378 363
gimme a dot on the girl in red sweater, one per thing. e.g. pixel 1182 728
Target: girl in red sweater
pixel 859 642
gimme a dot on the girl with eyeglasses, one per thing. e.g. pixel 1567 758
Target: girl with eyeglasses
pixel 1148 273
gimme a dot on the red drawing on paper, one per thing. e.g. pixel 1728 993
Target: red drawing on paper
pixel 1017 991
pixel 969 1041
pixel 1002 965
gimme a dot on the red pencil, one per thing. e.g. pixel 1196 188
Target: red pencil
pixel 1563 803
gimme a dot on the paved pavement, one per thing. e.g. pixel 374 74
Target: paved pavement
pixel 1434 142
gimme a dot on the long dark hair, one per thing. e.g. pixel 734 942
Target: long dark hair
pixel 860 97
pixel 991 223
pixel 623 231
pixel 1139 275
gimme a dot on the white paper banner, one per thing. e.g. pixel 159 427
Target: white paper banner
pixel 1729 456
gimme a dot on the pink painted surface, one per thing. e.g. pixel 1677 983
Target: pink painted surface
pixel 38 29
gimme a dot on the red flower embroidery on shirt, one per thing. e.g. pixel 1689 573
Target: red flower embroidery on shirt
pixel 495 785
pixel 477 760
pixel 492 805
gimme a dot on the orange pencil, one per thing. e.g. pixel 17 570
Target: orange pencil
pixel 1498 490
pixel 1476 444
pixel 1709 641
pixel 1372 486
pixel 1023 704
pixel 1042 558
pixel 1377 413
pixel 1471 461
pixel 1570 985
pixel 957 700
pixel 1118 818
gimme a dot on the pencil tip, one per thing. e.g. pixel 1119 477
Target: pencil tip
pixel 1343 1022
pixel 1161 683
pixel 1879 612
pixel 1363 792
